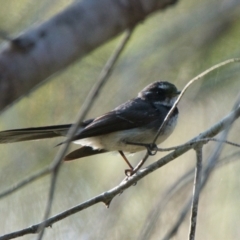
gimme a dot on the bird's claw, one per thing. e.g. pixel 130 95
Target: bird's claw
pixel 152 149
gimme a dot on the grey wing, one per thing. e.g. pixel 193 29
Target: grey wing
pixel 132 116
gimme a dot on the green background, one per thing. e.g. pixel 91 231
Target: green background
pixel 173 45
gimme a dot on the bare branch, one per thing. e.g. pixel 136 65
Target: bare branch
pixel 103 77
pixel 54 176
pixel 151 220
pixel 101 80
pixel 196 193
pixel 43 50
pixel 208 170
pixel 201 75
pixel 26 181
pixel 174 228
pixel 106 197
pixel 54 168
pixel 202 141
pixel 198 77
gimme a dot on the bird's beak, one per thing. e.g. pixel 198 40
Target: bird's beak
pixel 178 92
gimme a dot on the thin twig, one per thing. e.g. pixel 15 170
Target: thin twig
pixel 175 189
pixel 211 163
pixel 196 193
pixel 103 77
pixel 198 77
pixel 174 228
pixel 213 159
pixel 26 181
pixel 217 66
pixel 203 141
pixel 49 202
pixel 106 197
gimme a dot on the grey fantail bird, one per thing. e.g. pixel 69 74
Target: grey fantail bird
pixel 133 122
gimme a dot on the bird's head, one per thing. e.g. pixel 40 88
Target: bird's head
pixel 160 92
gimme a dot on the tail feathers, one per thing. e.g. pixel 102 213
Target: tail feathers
pixel 84 151
pixel 26 134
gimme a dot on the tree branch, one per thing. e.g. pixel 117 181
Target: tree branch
pixel 103 76
pixel 196 193
pixel 208 170
pixel 106 197
pixel 176 188
pixel 198 77
pixel 102 79
pixel 43 50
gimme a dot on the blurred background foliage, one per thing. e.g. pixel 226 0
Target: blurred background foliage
pixel 173 45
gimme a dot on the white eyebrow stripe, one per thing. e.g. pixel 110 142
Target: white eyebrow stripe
pixel 163 86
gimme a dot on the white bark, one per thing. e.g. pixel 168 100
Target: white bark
pixel 47 48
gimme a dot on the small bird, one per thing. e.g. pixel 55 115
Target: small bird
pixel 130 127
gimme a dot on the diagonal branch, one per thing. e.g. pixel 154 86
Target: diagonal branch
pixel 198 77
pixel 43 50
pixel 150 224
pixel 107 196
pixel 208 170
pixel 103 77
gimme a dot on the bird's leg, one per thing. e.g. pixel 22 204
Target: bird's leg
pixel 128 172
pixel 151 147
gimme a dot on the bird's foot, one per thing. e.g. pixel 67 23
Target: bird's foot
pixel 151 147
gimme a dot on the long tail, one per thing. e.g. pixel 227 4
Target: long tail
pixel 26 134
